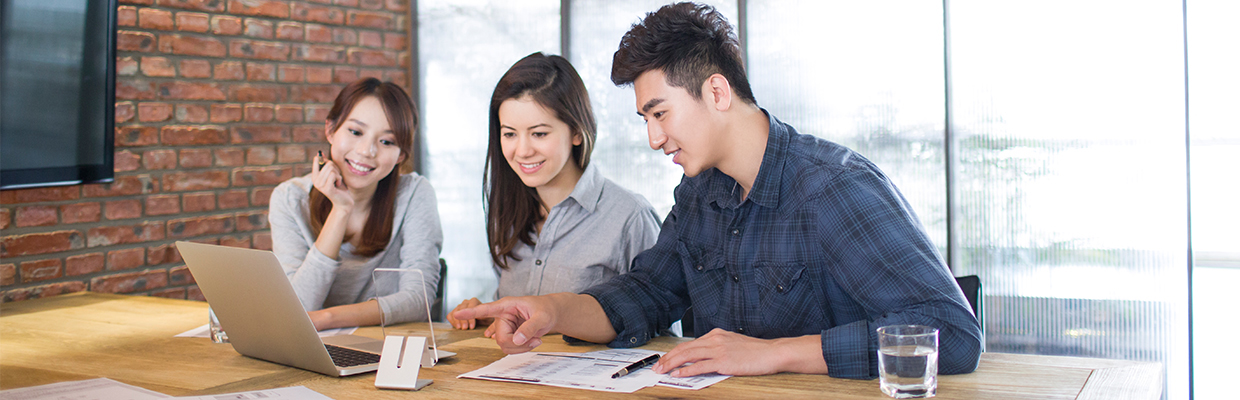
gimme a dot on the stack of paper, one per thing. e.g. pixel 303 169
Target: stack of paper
pixel 591 371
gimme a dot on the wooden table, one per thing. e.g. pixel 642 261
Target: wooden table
pixel 130 339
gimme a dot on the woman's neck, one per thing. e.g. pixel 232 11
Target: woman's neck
pixel 558 189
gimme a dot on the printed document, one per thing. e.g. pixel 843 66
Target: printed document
pixel 592 371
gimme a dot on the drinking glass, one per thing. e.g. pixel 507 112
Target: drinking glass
pixel 217 334
pixel 908 361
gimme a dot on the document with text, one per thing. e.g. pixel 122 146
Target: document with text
pixel 591 371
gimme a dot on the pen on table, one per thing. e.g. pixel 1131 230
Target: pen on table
pixel 636 366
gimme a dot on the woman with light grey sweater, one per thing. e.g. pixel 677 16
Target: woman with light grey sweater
pixel 356 212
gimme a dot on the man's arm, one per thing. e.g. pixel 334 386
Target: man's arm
pixel 521 322
pixel 730 353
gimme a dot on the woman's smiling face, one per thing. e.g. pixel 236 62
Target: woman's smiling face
pixel 363 146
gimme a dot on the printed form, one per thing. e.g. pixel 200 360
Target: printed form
pixel 592 371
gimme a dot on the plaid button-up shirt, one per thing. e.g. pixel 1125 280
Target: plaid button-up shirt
pixel 823 245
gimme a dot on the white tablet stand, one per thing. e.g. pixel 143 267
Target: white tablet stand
pixel 403 356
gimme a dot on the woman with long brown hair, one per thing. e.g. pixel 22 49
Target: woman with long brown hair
pixel 360 208
pixel 554 223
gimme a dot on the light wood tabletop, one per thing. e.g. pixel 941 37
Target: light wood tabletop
pixel 130 339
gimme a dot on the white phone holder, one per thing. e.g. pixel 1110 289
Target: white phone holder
pixel 403 356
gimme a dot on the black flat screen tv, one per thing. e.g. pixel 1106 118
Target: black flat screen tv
pixel 57 92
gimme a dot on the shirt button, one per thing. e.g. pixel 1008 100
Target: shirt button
pixel 740 330
pixel 736 232
pixel 633 339
pixel 537 262
pixel 779 288
pixel 699 268
pixel 736 278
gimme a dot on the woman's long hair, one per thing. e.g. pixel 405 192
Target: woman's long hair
pixel 402 116
pixel 512 208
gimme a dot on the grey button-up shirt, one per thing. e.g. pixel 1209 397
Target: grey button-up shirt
pixel 588 238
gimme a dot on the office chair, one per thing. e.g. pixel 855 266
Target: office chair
pixel 971 285
pixel 438 308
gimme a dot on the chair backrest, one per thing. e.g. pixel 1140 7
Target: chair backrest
pixel 437 307
pixel 971 285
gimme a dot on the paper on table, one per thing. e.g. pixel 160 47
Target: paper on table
pixel 590 370
pixel 295 392
pixel 91 389
pixel 205 332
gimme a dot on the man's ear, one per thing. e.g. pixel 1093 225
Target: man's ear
pixel 717 92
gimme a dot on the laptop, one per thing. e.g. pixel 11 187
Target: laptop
pixel 256 305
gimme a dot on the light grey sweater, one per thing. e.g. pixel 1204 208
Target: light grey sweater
pixel 322 282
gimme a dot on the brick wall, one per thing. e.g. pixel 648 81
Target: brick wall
pixel 217 101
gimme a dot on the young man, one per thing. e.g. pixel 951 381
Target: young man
pixel 792 248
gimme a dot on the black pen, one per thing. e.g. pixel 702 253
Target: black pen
pixel 636 366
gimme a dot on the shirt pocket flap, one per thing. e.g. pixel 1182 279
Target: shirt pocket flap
pixel 705 277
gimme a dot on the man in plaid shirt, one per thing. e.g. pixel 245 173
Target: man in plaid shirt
pixel 792 250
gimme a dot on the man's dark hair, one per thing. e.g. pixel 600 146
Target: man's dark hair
pixel 689 42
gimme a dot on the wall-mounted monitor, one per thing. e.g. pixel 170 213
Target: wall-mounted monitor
pixel 57 92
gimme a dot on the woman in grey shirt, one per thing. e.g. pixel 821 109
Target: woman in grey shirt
pixel 355 212
pixel 554 223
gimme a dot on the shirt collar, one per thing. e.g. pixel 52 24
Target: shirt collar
pixel 589 189
pixel 765 192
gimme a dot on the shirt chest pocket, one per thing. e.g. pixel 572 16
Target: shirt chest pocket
pixel 705 276
pixel 787 297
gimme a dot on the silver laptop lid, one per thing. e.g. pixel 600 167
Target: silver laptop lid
pixel 257 306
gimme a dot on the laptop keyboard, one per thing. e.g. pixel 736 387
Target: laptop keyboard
pixel 345 358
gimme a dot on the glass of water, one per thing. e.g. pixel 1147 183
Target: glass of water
pixel 908 361
pixel 217 333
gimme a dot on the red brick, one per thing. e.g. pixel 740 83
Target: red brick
pixel 260 72
pixel 372 4
pixel 326 15
pixel 317 113
pixel 346 3
pixel 198 202
pixel 8 274
pixel 261 8
pixel 262 240
pixel 193 293
pixel 345 74
pixel 229 71
pixel 288 113
pixel 370 39
pixel 397 77
pixel 162 254
pixel 138 2
pixel 122 209
pixel 192 113
pixel 135 41
pixel 180 276
pixel 379 58
pixel 259 134
pixel 40 194
pixel 291 73
pixel 123 234
pixel 126 66
pixel 395 41
pixel 404 60
pixel 257 93
pixel 199 226
pixel 6 217
pixel 151 18
pixel 214 6
pixel 49 290
pixel 317 74
pixel 319 53
pixel 35 216
pixel 191 91
pixel 195 68
pixel 344 36
pixel 84 264
pixel 261 196
pixel 126 185
pixel 258 176
pixel 288 30
pixel 126 259
pixel 41 270
pixel 231 241
pixel 126 16
pixel 124 111
pixel 192 45
pixel 193 22
pixel 195 158
pixel 131 282
pixel 126 161
pixel 221 113
pixel 226 25
pixel 258 112
pixel 157 67
pixel 154 112
pixel 196 180
pixel 255 49
pixel 234 199
pixel 301 170
pixel 159 159
pixel 397 5
pixel 370 73
pixel 174 135
pixel 318 33
pixel 259 28
pixel 163 204
pixel 80 212
pixel 127 89
pixel 170 293
pixel 132 136
pixel 371 19
pixel 252 221
pixel 40 243
pixel 310 134
pixel 314 94
pixel 229 157
pixel 260 155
